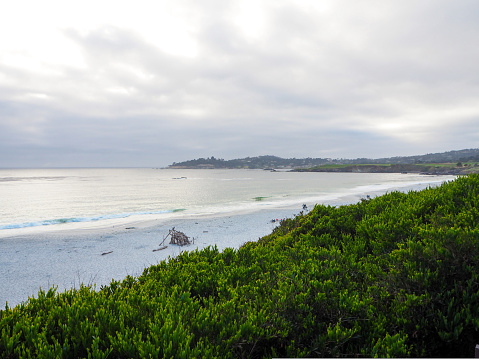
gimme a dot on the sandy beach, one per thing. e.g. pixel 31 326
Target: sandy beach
pixel 68 255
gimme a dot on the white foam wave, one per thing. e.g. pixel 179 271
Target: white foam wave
pixel 49 222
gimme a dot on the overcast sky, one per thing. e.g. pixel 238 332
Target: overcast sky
pixel 147 83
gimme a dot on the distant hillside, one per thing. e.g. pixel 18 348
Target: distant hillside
pixel 264 162
pixel 260 162
pixel 467 155
pixel 427 169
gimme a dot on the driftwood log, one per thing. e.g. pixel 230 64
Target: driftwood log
pixel 177 237
pixel 159 249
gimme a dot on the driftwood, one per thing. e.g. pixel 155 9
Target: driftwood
pixel 103 254
pixel 177 237
pixel 159 249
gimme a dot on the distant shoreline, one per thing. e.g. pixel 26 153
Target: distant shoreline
pixel 434 169
pixel 422 169
pixel 458 162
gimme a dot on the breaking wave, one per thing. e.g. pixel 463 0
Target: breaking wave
pixel 49 222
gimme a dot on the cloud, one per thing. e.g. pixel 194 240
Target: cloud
pixel 155 83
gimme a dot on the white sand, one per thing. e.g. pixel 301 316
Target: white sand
pixel 66 258
pixel 69 254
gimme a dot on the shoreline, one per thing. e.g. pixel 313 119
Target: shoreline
pixel 71 254
pixel 66 259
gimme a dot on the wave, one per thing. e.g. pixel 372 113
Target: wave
pixel 50 222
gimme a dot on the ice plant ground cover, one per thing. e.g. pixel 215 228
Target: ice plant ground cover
pixel 392 276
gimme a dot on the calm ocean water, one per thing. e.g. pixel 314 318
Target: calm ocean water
pixel 53 197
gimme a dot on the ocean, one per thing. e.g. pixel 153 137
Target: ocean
pixel 56 197
pixel 66 227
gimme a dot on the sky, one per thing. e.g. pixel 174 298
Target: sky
pixel 148 83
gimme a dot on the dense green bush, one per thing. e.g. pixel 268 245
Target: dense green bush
pixel 392 276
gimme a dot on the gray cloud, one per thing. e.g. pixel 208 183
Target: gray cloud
pixel 367 79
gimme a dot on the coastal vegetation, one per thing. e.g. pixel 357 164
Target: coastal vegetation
pixel 425 168
pixel 392 276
